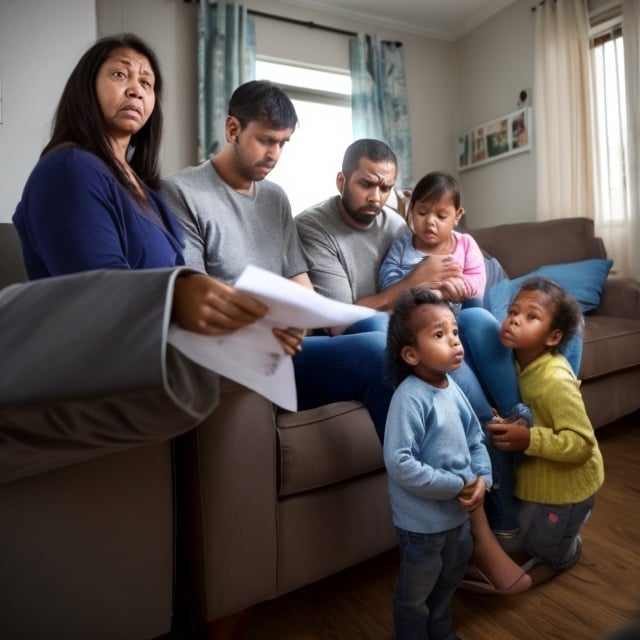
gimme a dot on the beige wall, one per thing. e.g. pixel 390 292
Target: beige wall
pixel 39 44
pixel 451 86
pixel 495 64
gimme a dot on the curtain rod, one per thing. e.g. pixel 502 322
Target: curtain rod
pixel 302 23
pixel 540 4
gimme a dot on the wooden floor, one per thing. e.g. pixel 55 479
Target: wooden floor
pixel 601 593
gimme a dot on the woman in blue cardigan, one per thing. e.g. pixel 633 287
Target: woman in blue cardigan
pixel 91 201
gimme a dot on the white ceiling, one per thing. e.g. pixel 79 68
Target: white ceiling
pixel 442 19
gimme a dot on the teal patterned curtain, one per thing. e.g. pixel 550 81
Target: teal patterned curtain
pixel 226 59
pixel 379 98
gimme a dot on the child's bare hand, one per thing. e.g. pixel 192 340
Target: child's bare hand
pixel 510 436
pixel 455 289
pixel 433 271
pixel 472 494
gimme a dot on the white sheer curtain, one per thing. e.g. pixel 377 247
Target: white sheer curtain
pixel 631 38
pixel 562 111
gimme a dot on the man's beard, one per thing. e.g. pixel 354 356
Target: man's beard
pixel 361 215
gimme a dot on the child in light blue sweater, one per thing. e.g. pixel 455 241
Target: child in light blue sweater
pixel 437 463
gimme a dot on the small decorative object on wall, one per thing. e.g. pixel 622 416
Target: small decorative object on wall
pixel 495 139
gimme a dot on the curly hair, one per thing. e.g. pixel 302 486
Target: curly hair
pixel 401 333
pixel 567 314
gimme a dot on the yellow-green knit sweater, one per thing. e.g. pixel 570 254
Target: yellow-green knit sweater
pixel 564 464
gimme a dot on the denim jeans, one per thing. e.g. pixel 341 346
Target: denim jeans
pixel 551 533
pixel 494 367
pixel 432 566
pixel 350 366
pixel 553 536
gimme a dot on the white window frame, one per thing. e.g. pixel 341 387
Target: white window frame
pixel 311 160
pixel 610 123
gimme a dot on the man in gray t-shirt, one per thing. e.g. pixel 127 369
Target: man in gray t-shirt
pixel 347 236
pixel 232 217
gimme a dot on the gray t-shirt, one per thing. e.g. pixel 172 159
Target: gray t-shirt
pixel 344 261
pixel 225 230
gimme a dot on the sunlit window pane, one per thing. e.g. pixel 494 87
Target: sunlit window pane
pixel 305 77
pixel 610 126
pixel 310 161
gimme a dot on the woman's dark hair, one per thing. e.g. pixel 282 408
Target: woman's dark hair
pixel 401 333
pixel 434 186
pixel 262 101
pixel 78 119
pixel 374 150
pixel 567 315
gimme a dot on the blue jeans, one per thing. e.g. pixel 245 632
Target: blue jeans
pixel 494 367
pixel 350 366
pixel 432 566
pixel 551 533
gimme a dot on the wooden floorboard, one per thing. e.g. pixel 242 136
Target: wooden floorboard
pixel 601 593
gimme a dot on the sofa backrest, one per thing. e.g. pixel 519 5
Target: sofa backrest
pixel 11 263
pixel 525 246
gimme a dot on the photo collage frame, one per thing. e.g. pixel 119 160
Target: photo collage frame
pixel 496 139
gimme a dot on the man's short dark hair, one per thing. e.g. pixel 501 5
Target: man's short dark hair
pixel 374 150
pixel 262 101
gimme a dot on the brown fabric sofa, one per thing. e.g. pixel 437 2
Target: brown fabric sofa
pixel 274 501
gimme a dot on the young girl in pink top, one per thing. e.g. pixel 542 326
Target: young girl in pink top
pixel 434 212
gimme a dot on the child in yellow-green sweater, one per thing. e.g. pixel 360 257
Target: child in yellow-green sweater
pixel 562 468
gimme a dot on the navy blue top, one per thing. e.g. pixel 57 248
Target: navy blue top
pixel 75 216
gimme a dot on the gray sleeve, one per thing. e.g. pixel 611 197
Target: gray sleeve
pixel 195 249
pixel 85 369
pixel 326 270
pixel 295 257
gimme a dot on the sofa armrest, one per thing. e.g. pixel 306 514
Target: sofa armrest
pixel 96 376
pixel 621 298
pixel 227 483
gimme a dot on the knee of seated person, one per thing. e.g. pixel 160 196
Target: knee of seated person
pixel 378 322
pixel 471 303
pixel 475 319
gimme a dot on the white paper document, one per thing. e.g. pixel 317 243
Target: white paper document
pixel 252 356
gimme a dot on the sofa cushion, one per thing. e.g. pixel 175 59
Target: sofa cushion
pixel 525 246
pixel 318 447
pixel 610 345
pixel 584 280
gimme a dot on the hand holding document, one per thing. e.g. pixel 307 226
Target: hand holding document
pixel 252 356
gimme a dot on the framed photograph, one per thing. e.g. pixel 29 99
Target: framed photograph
pixel 496 139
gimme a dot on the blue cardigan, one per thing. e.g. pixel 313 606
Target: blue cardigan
pixel 75 216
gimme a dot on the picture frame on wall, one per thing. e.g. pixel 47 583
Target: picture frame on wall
pixel 494 140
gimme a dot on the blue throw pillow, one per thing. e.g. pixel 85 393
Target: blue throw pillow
pixel 584 280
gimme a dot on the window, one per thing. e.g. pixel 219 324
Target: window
pixel 607 59
pixel 309 163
